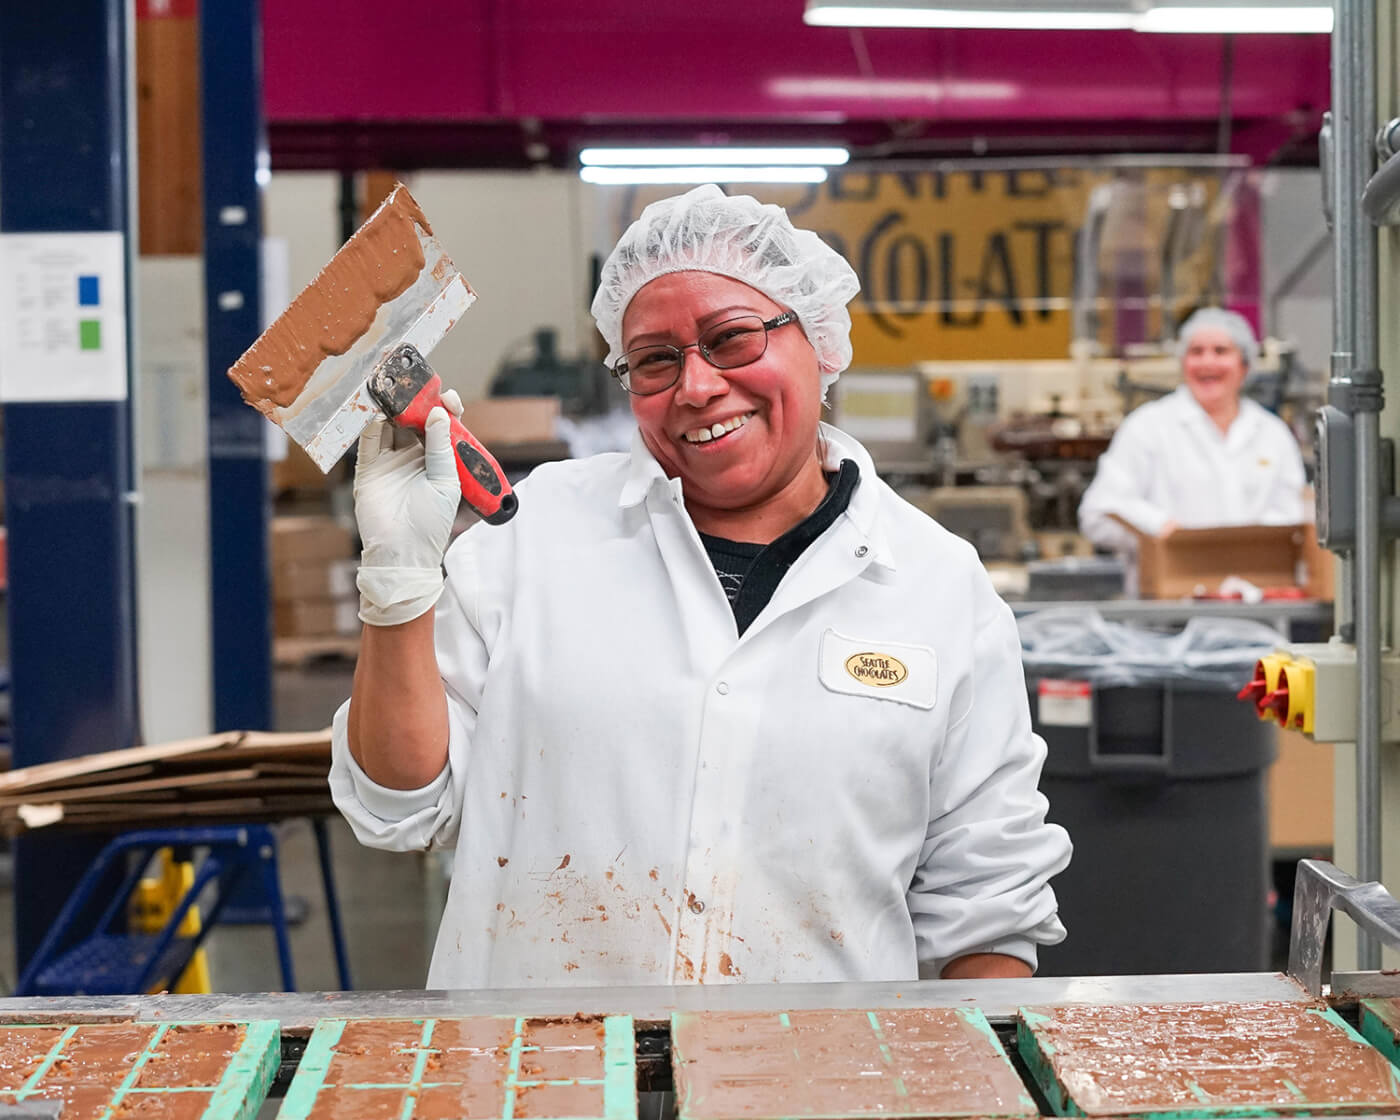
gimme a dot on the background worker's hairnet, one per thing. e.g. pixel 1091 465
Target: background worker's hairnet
pixel 706 231
pixel 1217 318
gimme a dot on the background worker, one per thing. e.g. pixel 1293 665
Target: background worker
pixel 1201 457
pixel 719 708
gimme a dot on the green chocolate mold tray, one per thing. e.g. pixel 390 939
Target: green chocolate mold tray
pixel 111 1071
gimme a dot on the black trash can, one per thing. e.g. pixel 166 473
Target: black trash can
pixel 1161 787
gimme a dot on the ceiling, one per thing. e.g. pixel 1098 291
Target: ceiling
pixel 516 83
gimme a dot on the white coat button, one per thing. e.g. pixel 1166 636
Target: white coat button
pixel 722 688
pixel 862 550
pixel 696 906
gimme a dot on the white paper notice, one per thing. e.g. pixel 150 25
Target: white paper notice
pixel 1066 703
pixel 62 317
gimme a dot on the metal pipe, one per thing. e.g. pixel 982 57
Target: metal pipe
pixel 1363 93
pixel 1346 194
pixel 1367 579
pixel 1354 361
pixel 1340 359
pixel 1369 637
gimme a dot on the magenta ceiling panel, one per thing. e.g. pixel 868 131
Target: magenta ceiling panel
pixel 581 68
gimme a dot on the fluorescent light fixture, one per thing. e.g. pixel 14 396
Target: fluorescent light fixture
pixel 1189 16
pixel 1068 15
pixel 630 176
pixel 728 157
pixel 1238 19
pixel 891 89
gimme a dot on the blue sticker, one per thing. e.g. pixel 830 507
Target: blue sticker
pixel 89 294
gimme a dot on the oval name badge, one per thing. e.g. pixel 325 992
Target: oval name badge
pixel 878 669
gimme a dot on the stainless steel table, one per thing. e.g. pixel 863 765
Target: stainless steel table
pixel 998 999
pixel 1280 613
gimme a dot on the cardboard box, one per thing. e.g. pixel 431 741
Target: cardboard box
pixel 1300 795
pixel 298 472
pixel 1319 565
pixel 505 420
pixel 314 579
pixel 316 618
pixel 298 540
pixel 1193 562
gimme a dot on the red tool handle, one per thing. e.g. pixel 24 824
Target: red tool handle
pixel 407 389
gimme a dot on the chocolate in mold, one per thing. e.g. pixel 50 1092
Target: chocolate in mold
pixel 191 1055
pixel 358 1104
pixel 467 1069
pixel 188 1105
pixel 80 1102
pixel 545 1101
pixel 928 1062
pixel 1130 1059
pixel 87 1069
pixel 22 1051
pixel 458 1102
pixel 100 1055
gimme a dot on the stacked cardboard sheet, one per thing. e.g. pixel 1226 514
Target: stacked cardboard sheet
pixel 234 776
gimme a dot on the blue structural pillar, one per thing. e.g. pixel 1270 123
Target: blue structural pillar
pixel 65 249
pixel 235 160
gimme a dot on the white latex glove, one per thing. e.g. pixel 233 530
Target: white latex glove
pixel 406 495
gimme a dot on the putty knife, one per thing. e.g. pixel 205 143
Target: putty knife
pixel 353 345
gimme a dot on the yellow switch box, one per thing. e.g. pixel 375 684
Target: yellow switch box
pixel 1301 675
pixel 1321 682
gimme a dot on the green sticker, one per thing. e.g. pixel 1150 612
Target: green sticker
pixel 89 334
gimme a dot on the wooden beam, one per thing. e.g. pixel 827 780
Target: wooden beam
pixel 167 128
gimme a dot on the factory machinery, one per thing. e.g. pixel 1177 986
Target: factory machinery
pixel 1026 433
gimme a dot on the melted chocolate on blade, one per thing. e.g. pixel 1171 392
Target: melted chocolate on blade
pixel 378 264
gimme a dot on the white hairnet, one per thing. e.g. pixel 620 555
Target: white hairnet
pixel 1217 318
pixel 706 231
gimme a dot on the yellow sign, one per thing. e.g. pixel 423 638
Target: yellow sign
pixel 879 669
pixel 966 264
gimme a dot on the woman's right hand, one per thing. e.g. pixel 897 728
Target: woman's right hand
pixel 406 495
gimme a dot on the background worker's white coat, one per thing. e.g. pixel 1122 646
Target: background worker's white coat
pixel 1169 462
pixel 638 795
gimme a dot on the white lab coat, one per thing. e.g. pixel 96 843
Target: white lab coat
pixel 637 795
pixel 1169 462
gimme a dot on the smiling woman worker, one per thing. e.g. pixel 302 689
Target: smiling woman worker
pixel 720 708
pixel 1203 456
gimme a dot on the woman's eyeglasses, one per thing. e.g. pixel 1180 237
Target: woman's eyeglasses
pixel 728 345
